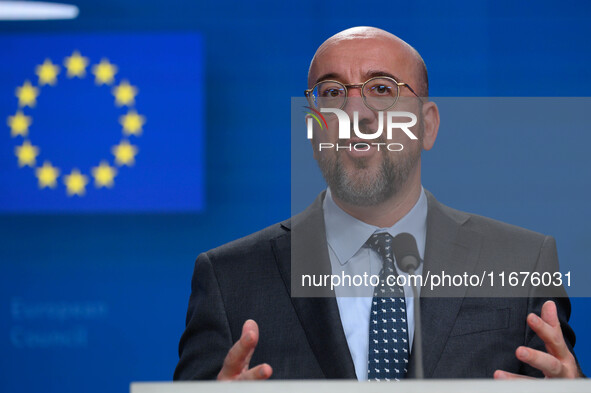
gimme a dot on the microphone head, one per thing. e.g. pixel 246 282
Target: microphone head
pixel 406 252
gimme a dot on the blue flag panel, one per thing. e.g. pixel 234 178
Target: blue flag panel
pixel 101 123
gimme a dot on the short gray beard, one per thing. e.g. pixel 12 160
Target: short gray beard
pixel 363 188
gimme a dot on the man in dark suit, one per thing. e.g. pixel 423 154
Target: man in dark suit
pixel 372 194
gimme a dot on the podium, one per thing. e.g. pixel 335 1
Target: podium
pixel 410 386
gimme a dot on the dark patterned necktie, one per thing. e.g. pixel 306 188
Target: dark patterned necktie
pixel 388 332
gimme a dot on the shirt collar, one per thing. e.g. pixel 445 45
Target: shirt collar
pixel 346 234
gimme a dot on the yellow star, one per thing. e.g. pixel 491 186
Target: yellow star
pixel 47 73
pixel 104 72
pixel 104 175
pixel 27 95
pixel 75 183
pixel 124 94
pixel 76 65
pixel 19 124
pixel 132 123
pixel 27 154
pixel 47 175
pixel 124 153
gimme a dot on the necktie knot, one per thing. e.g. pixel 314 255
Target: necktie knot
pixel 381 243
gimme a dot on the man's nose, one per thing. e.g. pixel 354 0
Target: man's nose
pixel 356 103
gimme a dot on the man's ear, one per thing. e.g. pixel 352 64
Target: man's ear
pixel 314 154
pixel 431 124
pixel 312 140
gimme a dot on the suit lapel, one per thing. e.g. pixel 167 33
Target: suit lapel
pixel 453 249
pixel 303 250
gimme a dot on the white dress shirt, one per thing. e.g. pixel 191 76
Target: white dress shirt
pixel 346 236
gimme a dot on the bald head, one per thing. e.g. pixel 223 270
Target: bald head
pixel 359 51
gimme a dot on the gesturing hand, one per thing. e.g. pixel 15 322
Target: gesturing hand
pixel 237 361
pixel 559 362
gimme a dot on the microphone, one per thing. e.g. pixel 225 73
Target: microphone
pixel 408 260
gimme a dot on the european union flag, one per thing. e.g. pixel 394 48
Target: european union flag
pixel 97 123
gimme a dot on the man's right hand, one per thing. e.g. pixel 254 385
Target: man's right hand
pixel 237 361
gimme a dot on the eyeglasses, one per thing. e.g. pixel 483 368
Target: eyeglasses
pixel 379 93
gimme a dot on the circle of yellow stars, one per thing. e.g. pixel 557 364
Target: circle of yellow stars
pixel 131 123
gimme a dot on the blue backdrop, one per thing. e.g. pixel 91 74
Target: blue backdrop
pixel 102 297
pixel 81 120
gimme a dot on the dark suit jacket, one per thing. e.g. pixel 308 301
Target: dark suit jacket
pixel 300 337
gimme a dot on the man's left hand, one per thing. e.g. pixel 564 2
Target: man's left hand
pixel 559 362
